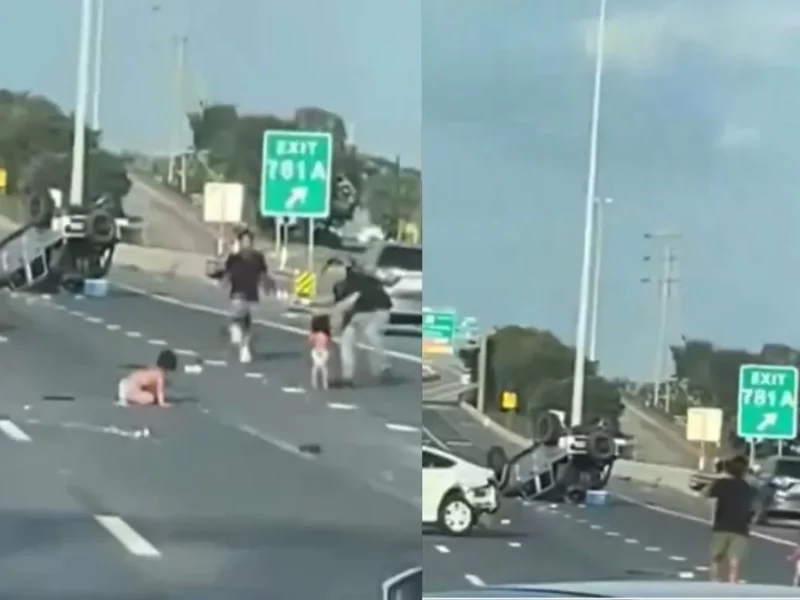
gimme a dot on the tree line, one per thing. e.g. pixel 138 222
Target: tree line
pixel 536 366
pixel 227 146
pixel 36 138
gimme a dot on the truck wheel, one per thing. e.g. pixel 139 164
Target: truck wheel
pixel 101 228
pixel 600 446
pixel 456 516
pixel 548 429
pixel 40 209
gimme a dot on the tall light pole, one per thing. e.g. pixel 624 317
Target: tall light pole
pixel 98 64
pixel 579 374
pixel 600 204
pixel 82 85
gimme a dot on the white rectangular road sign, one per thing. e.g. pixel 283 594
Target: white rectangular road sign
pixel 223 202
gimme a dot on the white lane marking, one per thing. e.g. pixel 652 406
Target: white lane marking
pixel 277 442
pixel 652 549
pixel 3 339
pixel 474 580
pixel 157 342
pixel 76 313
pixel 612 534
pixel 402 428
pixel 113 327
pixel 631 541
pixel 701 568
pixel 293 390
pixel 266 323
pixel 442 549
pixel 13 431
pixel 127 536
pixel 677 558
pixel 567 516
pixel 133 334
pixel 253 375
pixel 215 363
pixel 595 527
pixel 514 545
pixel 687 517
pixel 341 406
pixel 685 575
pixel 583 521
pixel 459 443
pixel 185 352
pixel 505 521
pixel 94 320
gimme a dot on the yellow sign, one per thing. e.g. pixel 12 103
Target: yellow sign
pixel 435 348
pixel 3 179
pixel 509 401
pixel 305 285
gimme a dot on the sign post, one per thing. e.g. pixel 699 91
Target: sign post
pixel 439 330
pixel 296 178
pixel 767 403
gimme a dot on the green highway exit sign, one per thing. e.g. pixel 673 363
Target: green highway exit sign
pixel 296 171
pixel 439 329
pixel 767 404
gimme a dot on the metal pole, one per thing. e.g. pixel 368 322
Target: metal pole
pixel 82 84
pixel 98 64
pixel 598 255
pixel 310 256
pixel 483 364
pixel 576 412
pixel 183 172
pixel 661 338
pixel 175 122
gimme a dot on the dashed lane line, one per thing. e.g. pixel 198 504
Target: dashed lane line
pixel 442 549
pixel 13 431
pixel 474 580
pixel 126 535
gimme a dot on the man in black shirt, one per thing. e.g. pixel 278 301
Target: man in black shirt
pixel 246 271
pixel 733 513
pixel 365 308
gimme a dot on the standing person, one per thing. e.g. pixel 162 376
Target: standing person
pixel 320 341
pixel 365 307
pixel 733 513
pixel 246 271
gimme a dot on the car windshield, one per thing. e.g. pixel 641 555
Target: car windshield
pixel 788 468
pixel 401 257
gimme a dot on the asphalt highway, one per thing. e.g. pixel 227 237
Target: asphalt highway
pixel 248 486
pixel 645 532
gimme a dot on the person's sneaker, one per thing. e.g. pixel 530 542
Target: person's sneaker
pixel 235 333
pixel 244 355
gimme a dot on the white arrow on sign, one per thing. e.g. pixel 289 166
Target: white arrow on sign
pixel 297 196
pixel 767 420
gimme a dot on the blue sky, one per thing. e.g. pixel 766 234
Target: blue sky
pixel 359 58
pixel 698 134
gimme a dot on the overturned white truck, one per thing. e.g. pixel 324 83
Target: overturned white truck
pixel 556 466
pixel 58 247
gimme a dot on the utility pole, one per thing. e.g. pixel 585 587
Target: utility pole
pixel 667 279
pixel 600 204
pixel 98 64
pixel 176 120
pixel 82 91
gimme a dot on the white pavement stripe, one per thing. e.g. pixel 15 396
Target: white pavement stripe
pixel 13 431
pixel 157 342
pixel 341 406
pixel 126 535
pixel 185 352
pixel 652 549
pixel 474 580
pixel 113 327
pixel 293 390
pixel 215 363
pixel 442 549
pixel 3 339
pixel 133 334
pixel 254 375
pixel 402 428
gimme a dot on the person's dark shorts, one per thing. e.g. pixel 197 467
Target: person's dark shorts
pixel 726 545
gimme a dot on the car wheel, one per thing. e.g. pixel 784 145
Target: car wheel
pixel 456 516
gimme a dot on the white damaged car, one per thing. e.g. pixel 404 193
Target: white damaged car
pixel 455 492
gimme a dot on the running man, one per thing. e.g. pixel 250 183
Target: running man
pixel 145 387
pixel 733 513
pixel 246 271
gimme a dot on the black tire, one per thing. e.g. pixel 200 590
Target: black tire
pixel 101 229
pixel 600 446
pixel 461 523
pixel 575 494
pixel 548 429
pixel 497 461
pixel 40 210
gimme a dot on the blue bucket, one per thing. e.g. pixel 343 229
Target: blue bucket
pixel 95 288
pixel 596 498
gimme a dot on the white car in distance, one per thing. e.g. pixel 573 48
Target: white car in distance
pixel 455 492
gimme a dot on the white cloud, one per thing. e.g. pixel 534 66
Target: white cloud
pixel 739 30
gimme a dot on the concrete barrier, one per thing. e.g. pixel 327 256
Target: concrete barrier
pixel 676 478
